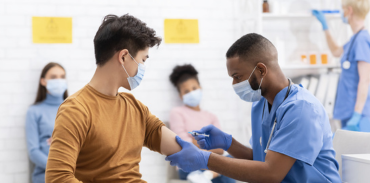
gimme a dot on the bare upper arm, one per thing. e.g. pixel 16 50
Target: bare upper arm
pixel 363 71
pixel 280 164
pixel 168 142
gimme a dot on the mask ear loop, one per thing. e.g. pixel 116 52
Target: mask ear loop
pixel 124 67
pixel 125 71
pixel 260 84
pixel 252 73
pixel 133 59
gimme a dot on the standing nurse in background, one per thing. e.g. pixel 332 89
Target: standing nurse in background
pixel 40 119
pixel 189 117
pixel 353 102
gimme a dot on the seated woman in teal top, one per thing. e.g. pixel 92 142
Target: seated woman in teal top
pixel 51 93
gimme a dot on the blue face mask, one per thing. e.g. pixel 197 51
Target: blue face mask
pixel 56 87
pixel 192 98
pixel 344 19
pixel 245 91
pixel 135 81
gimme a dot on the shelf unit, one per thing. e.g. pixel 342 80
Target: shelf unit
pixel 293 16
pixel 306 66
pixel 291 66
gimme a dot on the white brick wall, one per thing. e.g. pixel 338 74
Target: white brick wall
pixel 21 62
pixel 221 22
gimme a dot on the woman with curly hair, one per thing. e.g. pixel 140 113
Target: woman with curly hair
pixel 189 117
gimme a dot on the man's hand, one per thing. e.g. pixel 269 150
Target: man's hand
pixel 190 158
pixel 217 138
pixel 320 16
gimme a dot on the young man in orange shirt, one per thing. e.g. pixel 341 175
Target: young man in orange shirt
pixel 99 133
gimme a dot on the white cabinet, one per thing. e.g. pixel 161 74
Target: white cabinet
pixel 356 168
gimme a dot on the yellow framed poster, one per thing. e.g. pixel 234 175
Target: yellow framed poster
pixel 51 29
pixel 181 31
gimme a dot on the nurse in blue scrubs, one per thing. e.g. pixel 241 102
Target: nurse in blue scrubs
pixel 352 105
pixel 40 119
pixel 291 135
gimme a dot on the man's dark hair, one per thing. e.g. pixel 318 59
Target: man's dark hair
pixel 253 47
pixel 125 32
pixel 182 73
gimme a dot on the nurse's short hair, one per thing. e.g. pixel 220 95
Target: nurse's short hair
pixel 253 48
pixel 360 7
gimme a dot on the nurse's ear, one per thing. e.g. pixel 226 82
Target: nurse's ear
pixel 347 11
pixel 262 69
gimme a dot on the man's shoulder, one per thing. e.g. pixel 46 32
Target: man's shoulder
pixel 76 100
pixel 127 95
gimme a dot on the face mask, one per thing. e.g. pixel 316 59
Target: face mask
pixel 193 98
pixel 135 81
pixel 56 87
pixel 344 19
pixel 245 91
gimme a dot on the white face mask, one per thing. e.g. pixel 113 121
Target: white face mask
pixel 344 19
pixel 192 98
pixel 136 80
pixel 245 91
pixel 56 87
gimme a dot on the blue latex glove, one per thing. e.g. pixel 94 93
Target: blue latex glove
pixel 353 123
pixel 190 158
pixel 217 138
pixel 320 16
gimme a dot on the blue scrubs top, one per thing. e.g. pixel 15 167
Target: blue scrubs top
pixel 302 132
pixel 349 78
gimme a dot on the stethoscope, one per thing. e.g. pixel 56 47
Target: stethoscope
pixel 275 121
pixel 347 64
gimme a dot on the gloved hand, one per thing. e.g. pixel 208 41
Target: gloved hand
pixel 353 123
pixel 217 138
pixel 190 158
pixel 320 16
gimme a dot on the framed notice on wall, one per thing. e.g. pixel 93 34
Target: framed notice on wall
pixel 51 29
pixel 181 31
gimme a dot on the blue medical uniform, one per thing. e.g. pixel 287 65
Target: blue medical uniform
pixel 349 78
pixel 39 127
pixel 302 132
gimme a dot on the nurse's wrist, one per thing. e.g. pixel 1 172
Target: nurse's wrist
pixel 229 140
pixel 356 113
pixel 206 155
pixel 325 27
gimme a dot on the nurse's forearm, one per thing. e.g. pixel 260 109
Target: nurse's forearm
pixel 243 170
pixel 362 92
pixel 240 151
pixel 334 48
pixel 363 85
pixel 217 151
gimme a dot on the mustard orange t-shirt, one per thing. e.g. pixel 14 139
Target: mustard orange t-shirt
pixel 99 138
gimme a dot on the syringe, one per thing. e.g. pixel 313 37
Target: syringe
pixel 196 134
